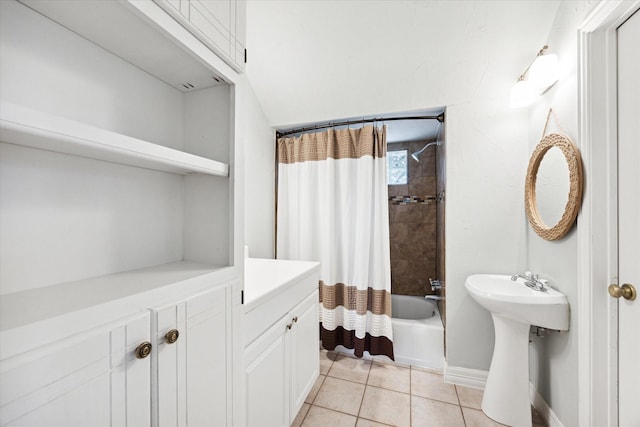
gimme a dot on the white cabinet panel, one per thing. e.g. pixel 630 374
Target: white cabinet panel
pixel 90 379
pixel 190 384
pixel 267 378
pixel 305 357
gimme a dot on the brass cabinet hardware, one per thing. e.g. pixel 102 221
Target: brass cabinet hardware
pixel 171 336
pixel 143 350
pixel 295 319
pixel 626 291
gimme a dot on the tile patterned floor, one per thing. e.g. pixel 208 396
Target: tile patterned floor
pixel 354 392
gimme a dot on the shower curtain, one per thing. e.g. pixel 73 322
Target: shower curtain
pixel 333 208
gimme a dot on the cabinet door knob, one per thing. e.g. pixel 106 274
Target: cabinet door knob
pixel 289 326
pixel 626 291
pixel 295 319
pixel 143 350
pixel 171 336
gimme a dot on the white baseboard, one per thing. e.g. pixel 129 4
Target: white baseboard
pixel 477 379
pixel 543 408
pixel 465 377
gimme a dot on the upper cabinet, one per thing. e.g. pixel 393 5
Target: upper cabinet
pixel 220 24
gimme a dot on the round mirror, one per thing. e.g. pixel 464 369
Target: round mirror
pixel 553 189
pixel 552 186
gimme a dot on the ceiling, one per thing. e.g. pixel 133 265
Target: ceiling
pixel 320 60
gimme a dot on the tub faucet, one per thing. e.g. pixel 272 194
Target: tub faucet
pixel 435 284
pixel 433 297
pixel 532 280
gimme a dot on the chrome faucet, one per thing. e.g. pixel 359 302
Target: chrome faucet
pixel 435 284
pixel 532 280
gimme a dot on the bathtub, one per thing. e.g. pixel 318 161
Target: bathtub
pixel 418 334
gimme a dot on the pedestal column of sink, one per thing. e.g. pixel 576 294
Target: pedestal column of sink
pixel 506 394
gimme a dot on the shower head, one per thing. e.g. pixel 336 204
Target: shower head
pixel 416 155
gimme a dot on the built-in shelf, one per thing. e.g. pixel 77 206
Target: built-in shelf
pixel 34 305
pixel 23 126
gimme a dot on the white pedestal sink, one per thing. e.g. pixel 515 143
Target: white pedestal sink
pixel 514 308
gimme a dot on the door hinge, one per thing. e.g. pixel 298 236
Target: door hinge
pixel 245 56
pixel 242 297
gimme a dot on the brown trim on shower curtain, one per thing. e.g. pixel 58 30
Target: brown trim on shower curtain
pixel 340 336
pixel 377 301
pixel 336 144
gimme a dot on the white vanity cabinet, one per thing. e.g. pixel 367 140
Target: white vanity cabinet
pixel 282 339
pixel 89 379
pixel 220 24
pixel 120 217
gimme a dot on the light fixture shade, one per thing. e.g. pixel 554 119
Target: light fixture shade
pixel 544 72
pixel 523 93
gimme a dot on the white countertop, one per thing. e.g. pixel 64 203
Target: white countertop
pixel 265 278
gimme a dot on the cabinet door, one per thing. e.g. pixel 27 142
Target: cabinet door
pixel 190 379
pixel 93 379
pixel 266 378
pixel 213 19
pixel 305 355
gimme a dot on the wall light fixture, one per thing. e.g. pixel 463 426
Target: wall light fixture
pixel 539 76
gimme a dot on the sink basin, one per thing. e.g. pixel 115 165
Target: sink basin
pixel 514 300
pixel 514 307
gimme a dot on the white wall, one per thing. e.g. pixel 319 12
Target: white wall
pixel 259 164
pixel 321 60
pixel 555 357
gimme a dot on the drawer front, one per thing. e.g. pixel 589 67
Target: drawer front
pixel 266 314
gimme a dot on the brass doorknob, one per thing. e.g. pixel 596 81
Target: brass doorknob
pixel 143 350
pixel 171 336
pixel 626 291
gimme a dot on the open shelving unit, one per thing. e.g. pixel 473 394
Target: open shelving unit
pixel 31 128
pixel 117 160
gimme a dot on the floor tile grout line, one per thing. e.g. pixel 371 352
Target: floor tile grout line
pixel 334 410
pixel 366 384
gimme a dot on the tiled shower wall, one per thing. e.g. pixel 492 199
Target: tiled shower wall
pixel 413 226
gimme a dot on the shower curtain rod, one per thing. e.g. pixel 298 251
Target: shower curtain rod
pixel 439 117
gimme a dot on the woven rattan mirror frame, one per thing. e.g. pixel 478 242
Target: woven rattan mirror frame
pixel 574 163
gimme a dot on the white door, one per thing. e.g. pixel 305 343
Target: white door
pixel 629 219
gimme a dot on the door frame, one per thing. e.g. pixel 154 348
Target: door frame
pixel 597 224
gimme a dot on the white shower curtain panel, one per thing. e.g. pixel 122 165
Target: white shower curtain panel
pixel 333 208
